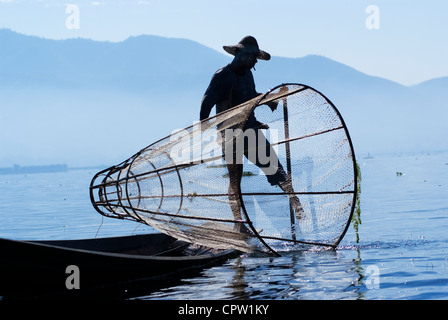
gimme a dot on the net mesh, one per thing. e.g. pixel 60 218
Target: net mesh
pixel 226 182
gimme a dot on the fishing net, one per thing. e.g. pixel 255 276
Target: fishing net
pixel 232 182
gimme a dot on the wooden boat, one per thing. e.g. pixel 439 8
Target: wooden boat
pixel 114 266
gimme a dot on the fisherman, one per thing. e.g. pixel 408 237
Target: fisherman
pixel 230 86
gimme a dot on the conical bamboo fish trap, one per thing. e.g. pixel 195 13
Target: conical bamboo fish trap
pixel 181 185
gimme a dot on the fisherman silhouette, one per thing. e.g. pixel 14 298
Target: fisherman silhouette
pixel 230 86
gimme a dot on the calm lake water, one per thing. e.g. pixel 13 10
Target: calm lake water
pixel 402 251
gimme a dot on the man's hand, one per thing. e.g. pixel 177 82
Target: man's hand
pixel 260 125
pixel 205 124
pixel 273 105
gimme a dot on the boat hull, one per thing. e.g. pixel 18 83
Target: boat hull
pixel 76 267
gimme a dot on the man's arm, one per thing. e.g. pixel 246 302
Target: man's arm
pixel 206 106
pixel 214 94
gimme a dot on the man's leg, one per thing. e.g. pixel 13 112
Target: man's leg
pixel 235 175
pixel 234 164
pixel 274 171
pixel 235 172
pixel 294 201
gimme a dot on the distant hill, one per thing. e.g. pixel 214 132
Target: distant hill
pixel 85 102
pixel 138 64
pixel 435 89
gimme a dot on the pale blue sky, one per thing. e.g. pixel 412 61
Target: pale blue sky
pixel 409 47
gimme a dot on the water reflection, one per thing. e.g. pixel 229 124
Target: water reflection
pixel 359 270
pixel 306 275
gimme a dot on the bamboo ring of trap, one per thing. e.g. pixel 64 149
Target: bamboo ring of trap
pixel 180 184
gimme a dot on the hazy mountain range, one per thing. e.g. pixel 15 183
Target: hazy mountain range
pixel 85 102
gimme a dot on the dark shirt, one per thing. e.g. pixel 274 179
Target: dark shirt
pixel 228 89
